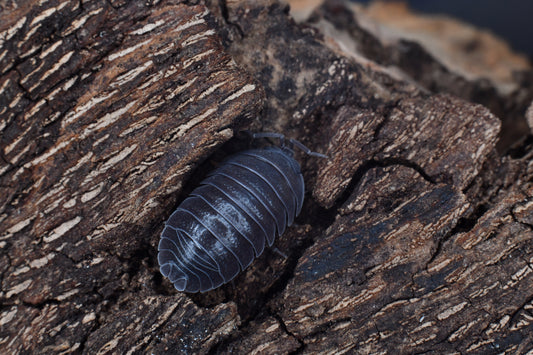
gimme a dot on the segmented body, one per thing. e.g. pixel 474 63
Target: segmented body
pixel 226 222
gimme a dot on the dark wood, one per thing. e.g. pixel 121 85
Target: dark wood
pixel 416 234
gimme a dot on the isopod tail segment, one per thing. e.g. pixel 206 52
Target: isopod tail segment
pixel 285 144
pixel 178 278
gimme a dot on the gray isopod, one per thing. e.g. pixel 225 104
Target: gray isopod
pixel 224 224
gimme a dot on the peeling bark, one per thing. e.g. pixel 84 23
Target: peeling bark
pixel 416 234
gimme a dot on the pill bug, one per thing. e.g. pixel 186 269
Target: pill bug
pixel 224 224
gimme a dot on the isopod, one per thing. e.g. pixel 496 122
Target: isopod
pixel 224 224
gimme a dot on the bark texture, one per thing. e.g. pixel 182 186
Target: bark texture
pixel 416 234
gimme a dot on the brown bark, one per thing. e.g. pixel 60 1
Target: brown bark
pixel 416 234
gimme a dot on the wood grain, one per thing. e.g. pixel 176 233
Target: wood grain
pixel 112 123
pixel 415 236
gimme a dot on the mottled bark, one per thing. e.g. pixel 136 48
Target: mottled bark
pixel 102 122
pixel 416 234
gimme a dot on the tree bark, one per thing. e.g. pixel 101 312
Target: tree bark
pixel 416 234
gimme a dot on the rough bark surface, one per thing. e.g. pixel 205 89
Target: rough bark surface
pixel 416 234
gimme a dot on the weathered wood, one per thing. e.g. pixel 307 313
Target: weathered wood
pixel 427 133
pixel 416 235
pixel 407 277
pixel 101 124
pixel 147 324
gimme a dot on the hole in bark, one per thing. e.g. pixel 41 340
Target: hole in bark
pixel 466 224
pixel 522 149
